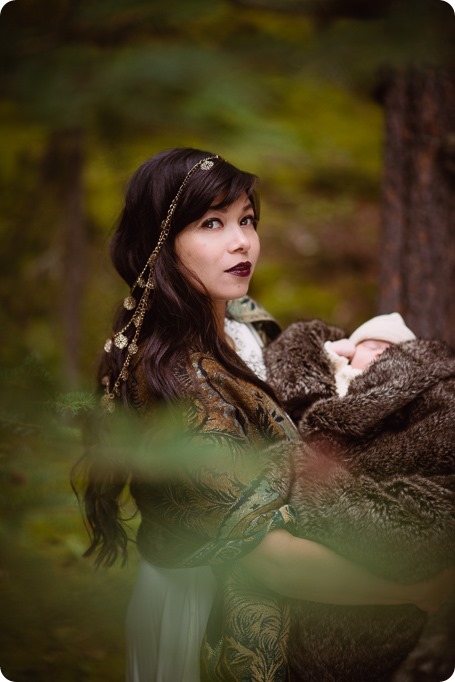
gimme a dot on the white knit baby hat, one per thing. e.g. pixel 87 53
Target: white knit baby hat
pixel 389 328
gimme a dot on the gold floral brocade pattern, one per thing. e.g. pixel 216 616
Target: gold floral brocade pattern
pixel 219 506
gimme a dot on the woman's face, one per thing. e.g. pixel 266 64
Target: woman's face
pixel 221 249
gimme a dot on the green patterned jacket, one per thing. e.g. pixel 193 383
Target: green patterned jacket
pixel 216 507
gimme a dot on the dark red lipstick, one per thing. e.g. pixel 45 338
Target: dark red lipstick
pixel 240 270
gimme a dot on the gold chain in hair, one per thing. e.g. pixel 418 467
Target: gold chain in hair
pixel 145 282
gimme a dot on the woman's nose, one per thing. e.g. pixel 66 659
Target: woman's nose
pixel 239 240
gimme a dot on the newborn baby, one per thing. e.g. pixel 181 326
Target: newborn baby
pixel 349 357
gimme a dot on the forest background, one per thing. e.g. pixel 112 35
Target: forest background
pixel 297 92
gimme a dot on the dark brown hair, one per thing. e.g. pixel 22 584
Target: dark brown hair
pixel 179 319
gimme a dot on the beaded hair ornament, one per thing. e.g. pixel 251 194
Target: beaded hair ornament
pixel 139 303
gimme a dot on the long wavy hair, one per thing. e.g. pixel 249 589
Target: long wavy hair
pixel 179 318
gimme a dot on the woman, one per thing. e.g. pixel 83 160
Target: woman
pixel 215 528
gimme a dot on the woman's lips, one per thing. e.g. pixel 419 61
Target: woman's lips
pixel 240 270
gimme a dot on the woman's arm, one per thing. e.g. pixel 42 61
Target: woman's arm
pixel 302 569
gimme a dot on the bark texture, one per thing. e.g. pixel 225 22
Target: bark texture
pixel 418 240
pixel 64 164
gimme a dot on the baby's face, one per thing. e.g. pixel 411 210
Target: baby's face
pixel 367 351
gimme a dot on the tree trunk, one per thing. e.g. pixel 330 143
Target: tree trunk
pixel 418 239
pixel 64 173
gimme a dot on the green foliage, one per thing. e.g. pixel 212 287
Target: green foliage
pixel 139 80
pixel 286 97
pixel 74 403
pixel 60 619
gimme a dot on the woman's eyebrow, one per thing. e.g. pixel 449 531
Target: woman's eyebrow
pixel 223 209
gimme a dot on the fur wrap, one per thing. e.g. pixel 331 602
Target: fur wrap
pixel 375 481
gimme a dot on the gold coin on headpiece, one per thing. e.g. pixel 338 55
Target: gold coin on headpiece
pixel 129 303
pixel 120 340
pixel 107 403
pixel 108 346
pixel 141 282
pixel 132 348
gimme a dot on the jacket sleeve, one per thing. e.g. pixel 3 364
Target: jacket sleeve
pixel 230 489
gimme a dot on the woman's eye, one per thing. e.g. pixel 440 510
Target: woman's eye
pixel 249 220
pixel 212 223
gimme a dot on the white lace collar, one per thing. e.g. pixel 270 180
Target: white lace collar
pixel 248 345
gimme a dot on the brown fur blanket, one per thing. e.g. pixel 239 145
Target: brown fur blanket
pixel 375 481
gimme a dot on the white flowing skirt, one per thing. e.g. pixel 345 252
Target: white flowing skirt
pixel 166 620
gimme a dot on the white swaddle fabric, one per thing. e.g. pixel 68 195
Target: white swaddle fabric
pixel 344 373
pixel 169 608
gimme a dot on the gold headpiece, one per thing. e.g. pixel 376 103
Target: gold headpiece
pixel 145 282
